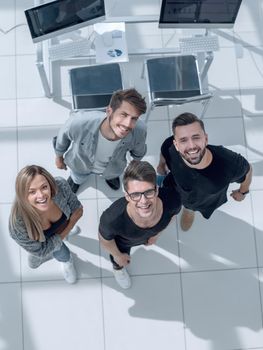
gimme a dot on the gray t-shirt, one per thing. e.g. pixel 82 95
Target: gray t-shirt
pixel 104 151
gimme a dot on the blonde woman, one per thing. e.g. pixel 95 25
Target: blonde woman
pixel 44 212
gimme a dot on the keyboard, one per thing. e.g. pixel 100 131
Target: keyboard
pixel 69 49
pixel 204 43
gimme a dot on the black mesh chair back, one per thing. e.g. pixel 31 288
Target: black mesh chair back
pixel 174 80
pixel 93 86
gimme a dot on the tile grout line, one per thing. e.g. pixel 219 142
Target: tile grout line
pixel 101 279
pixel 17 167
pixel 138 275
pixel 257 260
pixel 181 281
pixel 251 201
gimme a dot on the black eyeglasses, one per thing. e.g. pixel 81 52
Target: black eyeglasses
pixel 148 194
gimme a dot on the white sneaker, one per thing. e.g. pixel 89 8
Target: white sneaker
pixel 75 231
pixel 69 271
pixel 122 278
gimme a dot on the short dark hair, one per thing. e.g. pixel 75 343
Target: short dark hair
pixel 131 96
pixel 186 119
pixel 139 170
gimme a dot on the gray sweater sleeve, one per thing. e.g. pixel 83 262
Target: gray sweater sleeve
pixel 66 200
pixel 139 147
pixel 40 249
pixel 64 138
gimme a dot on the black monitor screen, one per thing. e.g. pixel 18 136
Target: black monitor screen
pixel 202 13
pixel 62 14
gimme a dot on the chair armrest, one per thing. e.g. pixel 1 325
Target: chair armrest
pixel 171 101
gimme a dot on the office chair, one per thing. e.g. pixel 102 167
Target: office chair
pixel 93 86
pixel 174 80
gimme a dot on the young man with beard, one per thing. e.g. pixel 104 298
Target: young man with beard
pixel 138 218
pixel 92 142
pixel 201 172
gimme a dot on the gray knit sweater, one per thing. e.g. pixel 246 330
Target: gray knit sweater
pixel 68 202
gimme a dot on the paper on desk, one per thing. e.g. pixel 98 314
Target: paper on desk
pixel 110 42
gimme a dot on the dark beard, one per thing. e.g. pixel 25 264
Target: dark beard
pixel 197 161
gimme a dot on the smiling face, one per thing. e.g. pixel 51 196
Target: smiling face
pixel 144 207
pixel 123 119
pixel 191 141
pixel 39 193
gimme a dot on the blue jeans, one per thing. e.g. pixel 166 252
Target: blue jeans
pixel 160 179
pixel 63 254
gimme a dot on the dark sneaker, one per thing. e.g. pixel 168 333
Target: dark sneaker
pixel 74 187
pixel 114 183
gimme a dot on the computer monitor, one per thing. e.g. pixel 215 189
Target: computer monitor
pixel 198 13
pixel 61 16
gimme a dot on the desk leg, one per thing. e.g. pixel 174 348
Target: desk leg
pixel 207 63
pixel 42 71
pixel 44 80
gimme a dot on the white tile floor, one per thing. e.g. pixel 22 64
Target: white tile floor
pixel 200 290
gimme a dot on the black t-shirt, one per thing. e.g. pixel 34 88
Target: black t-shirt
pixel 56 227
pixel 116 224
pixel 165 150
pixel 205 189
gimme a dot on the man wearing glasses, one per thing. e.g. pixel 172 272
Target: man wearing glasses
pixel 138 218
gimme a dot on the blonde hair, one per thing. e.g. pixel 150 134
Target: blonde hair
pixel 21 207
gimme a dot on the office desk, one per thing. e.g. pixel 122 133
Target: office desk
pixel 206 57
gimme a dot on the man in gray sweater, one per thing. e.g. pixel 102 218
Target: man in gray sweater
pixel 95 142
